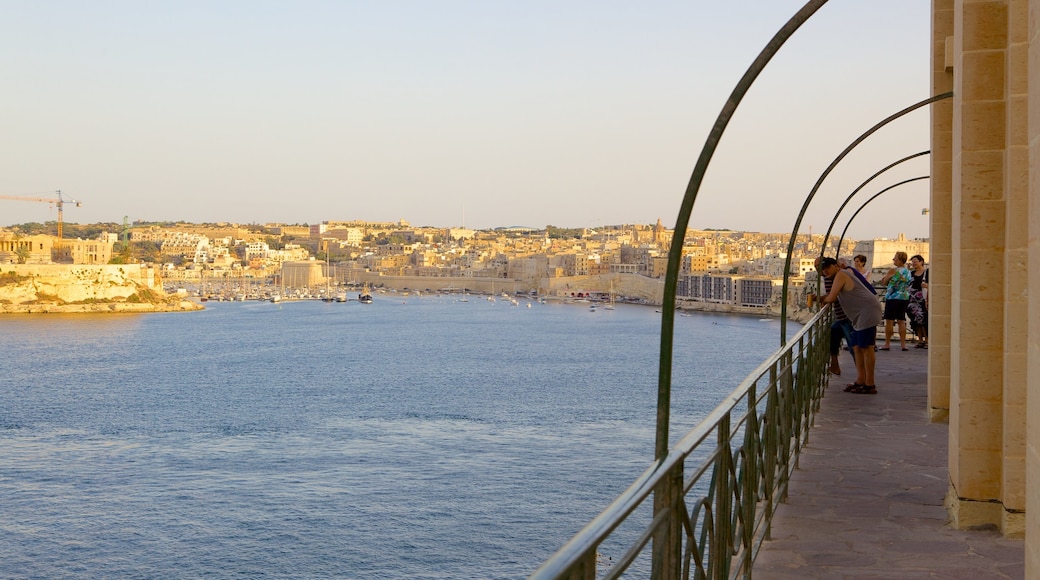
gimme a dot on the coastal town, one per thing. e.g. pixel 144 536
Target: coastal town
pixel 721 270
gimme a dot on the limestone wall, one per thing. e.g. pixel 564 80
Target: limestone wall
pixel 22 284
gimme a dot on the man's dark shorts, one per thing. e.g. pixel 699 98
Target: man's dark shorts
pixel 865 338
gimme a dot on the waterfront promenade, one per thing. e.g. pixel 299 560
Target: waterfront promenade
pixel 867 500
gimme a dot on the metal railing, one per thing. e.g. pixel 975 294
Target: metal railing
pixel 718 487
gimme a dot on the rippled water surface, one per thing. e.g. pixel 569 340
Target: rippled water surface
pixel 410 438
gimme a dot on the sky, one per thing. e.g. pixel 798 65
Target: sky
pixel 463 113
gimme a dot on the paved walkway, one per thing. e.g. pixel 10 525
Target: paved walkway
pixel 867 500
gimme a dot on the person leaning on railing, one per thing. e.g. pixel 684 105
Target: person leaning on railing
pixel 861 306
pixel 841 327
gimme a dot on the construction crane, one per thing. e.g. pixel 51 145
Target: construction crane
pixel 59 203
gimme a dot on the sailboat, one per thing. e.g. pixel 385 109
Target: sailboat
pixel 610 300
pixel 327 297
pixel 365 297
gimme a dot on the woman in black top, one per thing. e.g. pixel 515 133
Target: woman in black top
pixel 918 307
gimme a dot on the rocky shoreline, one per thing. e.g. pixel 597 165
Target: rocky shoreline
pixel 88 289
pixel 101 308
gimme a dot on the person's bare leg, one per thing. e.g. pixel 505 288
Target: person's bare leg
pixel 902 334
pixel 869 358
pixel 888 333
pixel 861 375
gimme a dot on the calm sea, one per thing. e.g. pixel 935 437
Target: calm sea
pixel 410 438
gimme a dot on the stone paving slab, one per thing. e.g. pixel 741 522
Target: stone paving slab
pixel 866 501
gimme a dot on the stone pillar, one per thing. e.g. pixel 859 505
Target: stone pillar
pixel 941 213
pixel 1032 544
pixel 1016 271
pixel 978 265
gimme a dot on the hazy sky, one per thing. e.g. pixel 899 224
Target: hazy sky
pixel 458 112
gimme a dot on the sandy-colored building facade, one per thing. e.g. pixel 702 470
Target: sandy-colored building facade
pixel 984 336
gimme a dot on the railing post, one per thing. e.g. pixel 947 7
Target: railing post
pixel 785 389
pixel 666 562
pixel 750 481
pixel 582 569
pixel 772 418
pixel 722 543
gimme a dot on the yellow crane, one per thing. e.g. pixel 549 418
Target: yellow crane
pixel 58 203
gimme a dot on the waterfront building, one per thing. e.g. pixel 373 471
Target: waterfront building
pixel 15 249
pixel 728 289
pixel 758 291
pixel 92 252
pixel 308 274
pixel 879 251
pixel 711 288
pixel 45 249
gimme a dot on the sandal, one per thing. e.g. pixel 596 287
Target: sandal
pixel 853 387
pixel 864 390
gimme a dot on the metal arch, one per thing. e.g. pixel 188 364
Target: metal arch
pixel 834 220
pixel 872 198
pixel 664 382
pixel 819 182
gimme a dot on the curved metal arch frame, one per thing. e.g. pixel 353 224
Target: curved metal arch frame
pixel 819 182
pixel 841 208
pixel 872 198
pixel 682 222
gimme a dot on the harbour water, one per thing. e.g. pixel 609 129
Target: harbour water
pixel 410 438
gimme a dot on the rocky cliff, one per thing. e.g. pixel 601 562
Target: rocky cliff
pixel 81 288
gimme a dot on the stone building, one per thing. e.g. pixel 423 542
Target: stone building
pixel 879 252
pixel 984 331
pixel 15 249
pixel 94 252
pixel 45 249
pixel 304 274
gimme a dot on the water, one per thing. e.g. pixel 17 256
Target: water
pixel 410 438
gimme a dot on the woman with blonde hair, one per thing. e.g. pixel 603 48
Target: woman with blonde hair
pixel 897 298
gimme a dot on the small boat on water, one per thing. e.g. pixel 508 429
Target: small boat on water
pixel 365 297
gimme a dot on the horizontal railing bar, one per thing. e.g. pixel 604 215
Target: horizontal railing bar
pixel 592 535
pixel 704 428
pixel 630 556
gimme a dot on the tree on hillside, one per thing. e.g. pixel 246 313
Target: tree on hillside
pixel 563 233
pixel 121 253
pixel 23 254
